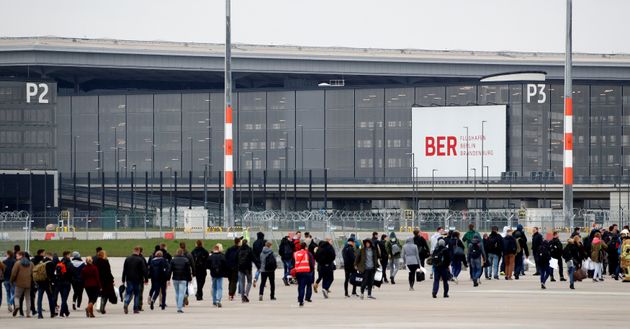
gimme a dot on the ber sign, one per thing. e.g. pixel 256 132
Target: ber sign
pixel 439 140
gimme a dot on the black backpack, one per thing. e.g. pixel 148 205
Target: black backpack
pixel 544 252
pixel 475 249
pixel 438 258
pixel 270 263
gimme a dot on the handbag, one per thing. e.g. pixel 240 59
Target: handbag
pixel 356 278
pixel 420 276
pixel 192 287
pixel 378 276
pixel 579 275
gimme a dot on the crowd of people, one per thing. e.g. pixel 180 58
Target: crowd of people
pixel 308 263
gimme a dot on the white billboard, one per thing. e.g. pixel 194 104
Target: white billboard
pixel 439 140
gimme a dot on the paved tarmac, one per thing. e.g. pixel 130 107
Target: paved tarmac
pixel 494 304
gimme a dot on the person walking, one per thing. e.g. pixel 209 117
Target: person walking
pixel 411 259
pixel 43 272
pixel 598 254
pixel 245 260
pixel 394 250
pixel 383 256
pixel 63 282
pixel 77 282
pixel 286 255
pixel 573 256
pixel 348 254
pixel 303 266
pixel 556 249
pixel 458 255
pixel 325 257
pixel 522 253
pixel 422 245
pixel 476 259
pixel 614 246
pixel 218 269
pixel 231 258
pixel 181 269
pixel 544 256
pixel 257 248
pixel 367 264
pixel 268 266
pixel 159 273
pixel 509 253
pixel 495 250
pixel 21 277
pixel 200 255
pixel 8 263
pixel 106 278
pixel 440 261
pixel 537 240
pixel 134 274
pixel 92 284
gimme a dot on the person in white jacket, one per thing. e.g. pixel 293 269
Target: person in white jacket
pixel 434 242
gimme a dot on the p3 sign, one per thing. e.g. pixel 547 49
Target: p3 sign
pixel 536 91
pixel 37 93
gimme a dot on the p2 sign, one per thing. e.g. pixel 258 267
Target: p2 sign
pixel 37 93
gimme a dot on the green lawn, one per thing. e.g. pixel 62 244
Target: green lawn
pixel 118 248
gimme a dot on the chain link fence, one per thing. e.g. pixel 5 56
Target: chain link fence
pixel 15 228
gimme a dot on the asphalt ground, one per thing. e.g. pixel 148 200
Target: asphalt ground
pixel 494 304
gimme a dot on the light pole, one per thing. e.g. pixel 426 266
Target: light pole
pixel 413 177
pixel 432 186
pixel 374 155
pixel 475 185
pixel 487 183
pixel 302 149
pixel 286 167
pixel 483 139
pixel 74 157
pixel 191 153
pixel 467 140
pixel 170 207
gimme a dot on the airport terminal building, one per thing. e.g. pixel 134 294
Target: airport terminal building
pixel 314 127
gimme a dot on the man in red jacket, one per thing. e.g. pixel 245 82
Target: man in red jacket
pixel 303 265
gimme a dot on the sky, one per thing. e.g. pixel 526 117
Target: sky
pixel 599 26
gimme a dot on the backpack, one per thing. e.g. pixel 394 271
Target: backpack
pixel 496 244
pixel 438 259
pixel 200 261
pixel 39 272
pixel 544 252
pixel 60 270
pixel 396 249
pixel 270 263
pixel 518 246
pixel 475 249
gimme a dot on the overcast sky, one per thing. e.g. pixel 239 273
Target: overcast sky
pixel 600 26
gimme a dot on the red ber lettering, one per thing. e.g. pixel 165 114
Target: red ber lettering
pixel 440 146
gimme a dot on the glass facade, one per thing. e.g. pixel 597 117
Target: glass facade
pixel 356 133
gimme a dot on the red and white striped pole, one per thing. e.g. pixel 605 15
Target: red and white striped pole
pixel 228 159
pixel 567 177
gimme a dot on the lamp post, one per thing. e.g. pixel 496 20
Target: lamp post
pixel 74 157
pixel 373 155
pixel 228 192
pixel 467 141
pixel 413 178
pixel 302 149
pixel 170 207
pixel 433 186
pixel 475 185
pixel 483 139
pixel 191 153
pixel 487 168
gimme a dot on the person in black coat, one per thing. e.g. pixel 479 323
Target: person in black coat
pixel 134 274
pixel 382 251
pixel 231 258
pixel 200 257
pixel 159 272
pixel 325 257
pixel 537 240
pixel 423 246
pixel 218 269
pixel 245 260
pixel 509 254
pixel 257 248
pixel 495 250
pixel 349 254
pixel 181 269
pixel 555 248
pixel 285 250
